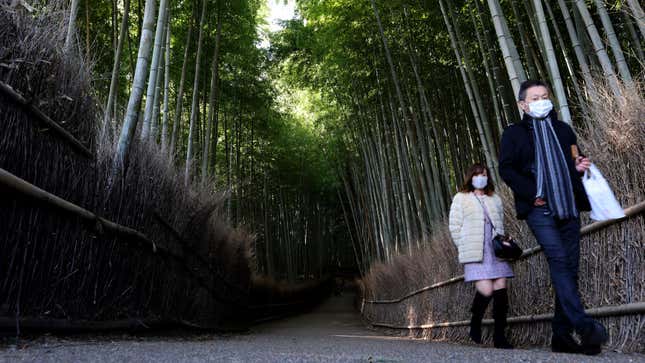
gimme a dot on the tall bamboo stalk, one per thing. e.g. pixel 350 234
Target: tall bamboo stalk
pixel 154 121
pixel 433 141
pixel 115 69
pixel 87 30
pixel 599 48
pixel 530 61
pixel 180 94
pixel 195 103
pixel 567 60
pixel 575 43
pixel 635 41
pixel 497 77
pixel 134 103
pixel 71 28
pixel 154 71
pixel 553 62
pixel 164 120
pixel 211 119
pixel 489 76
pixel 515 71
pixel 475 89
pixel 468 86
pixel 539 57
pixel 639 15
pixel 623 69
pixel 386 49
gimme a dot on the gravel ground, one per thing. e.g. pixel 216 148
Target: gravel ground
pixel 330 333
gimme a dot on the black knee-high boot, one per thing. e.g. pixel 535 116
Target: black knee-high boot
pixel 500 310
pixel 480 303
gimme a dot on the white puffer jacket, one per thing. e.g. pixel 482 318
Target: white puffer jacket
pixel 467 224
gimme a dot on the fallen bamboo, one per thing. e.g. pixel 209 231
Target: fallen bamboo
pixel 614 310
pixel 59 130
pixel 588 229
pixel 417 292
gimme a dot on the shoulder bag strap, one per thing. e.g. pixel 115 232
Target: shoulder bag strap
pixel 490 218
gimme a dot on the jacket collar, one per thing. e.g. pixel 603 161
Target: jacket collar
pixel 485 196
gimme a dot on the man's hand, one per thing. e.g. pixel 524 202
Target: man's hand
pixel 582 164
pixel 539 202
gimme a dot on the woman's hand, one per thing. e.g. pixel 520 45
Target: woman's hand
pixel 582 164
pixel 539 202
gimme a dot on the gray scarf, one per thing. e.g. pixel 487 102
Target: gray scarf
pixel 552 173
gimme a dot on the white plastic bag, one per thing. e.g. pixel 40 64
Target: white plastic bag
pixel 604 205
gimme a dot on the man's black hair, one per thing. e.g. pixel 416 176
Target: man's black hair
pixel 528 84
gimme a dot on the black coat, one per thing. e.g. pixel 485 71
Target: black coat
pixel 517 155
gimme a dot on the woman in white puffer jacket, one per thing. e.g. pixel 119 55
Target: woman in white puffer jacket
pixel 476 216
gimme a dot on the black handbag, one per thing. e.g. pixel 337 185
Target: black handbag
pixel 505 247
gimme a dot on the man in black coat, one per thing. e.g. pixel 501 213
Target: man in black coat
pixel 540 161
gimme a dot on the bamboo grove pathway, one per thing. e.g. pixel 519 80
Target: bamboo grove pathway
pixel 331 332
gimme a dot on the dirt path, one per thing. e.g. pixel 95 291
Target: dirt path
pixel 332 332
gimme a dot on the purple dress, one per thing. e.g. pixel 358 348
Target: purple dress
pixel 490 267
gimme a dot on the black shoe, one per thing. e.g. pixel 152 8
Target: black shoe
pixel 565 344
pixel 499 341
pixel 593 334
pixel 480 303
pixel 500 310
pixel 475 333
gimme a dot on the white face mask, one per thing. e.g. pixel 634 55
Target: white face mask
pixel 540 109
pixel 480 181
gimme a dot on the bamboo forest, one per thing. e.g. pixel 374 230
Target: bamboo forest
pixel 283 170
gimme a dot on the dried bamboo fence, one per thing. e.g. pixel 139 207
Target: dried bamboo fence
pixel 85 250
pixel 268 302
pixel 430 316
pixel 612 259
pixel 168 272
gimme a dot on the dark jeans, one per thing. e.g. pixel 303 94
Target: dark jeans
pixel 560 240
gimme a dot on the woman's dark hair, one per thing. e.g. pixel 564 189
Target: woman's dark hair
pixel 477 169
